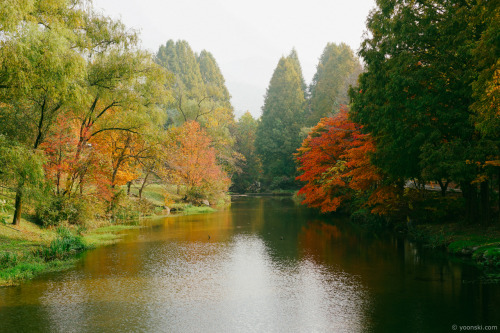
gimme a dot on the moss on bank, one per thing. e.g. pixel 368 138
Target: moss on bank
pixel 480 244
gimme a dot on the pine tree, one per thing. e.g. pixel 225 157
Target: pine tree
pixel 247 179
pixel 212 77
pixel 338 68
pixel 279 128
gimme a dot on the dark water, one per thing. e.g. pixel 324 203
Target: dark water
pixel 321 277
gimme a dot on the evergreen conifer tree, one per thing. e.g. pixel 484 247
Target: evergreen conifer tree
pixel 282 118
pixel 338 68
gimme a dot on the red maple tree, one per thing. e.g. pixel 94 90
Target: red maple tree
pixel 335 162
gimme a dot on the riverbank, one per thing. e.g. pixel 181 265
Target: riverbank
pixel 28 249
pixel 481 244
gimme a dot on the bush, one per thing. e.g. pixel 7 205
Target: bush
pixel 283 183
pixel 196 195
pixel 8 259
pixel 50 212
pixel 58 209
pixel 65 245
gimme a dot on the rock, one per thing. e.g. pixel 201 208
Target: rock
pixel 205 202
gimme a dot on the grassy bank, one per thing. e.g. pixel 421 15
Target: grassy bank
pixel 30 249
pixel 482 244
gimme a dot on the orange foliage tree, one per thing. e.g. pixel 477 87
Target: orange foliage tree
pixel 70 164
pixel 334 161
pixel 191 160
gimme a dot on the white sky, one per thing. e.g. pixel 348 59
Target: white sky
pixel 247 38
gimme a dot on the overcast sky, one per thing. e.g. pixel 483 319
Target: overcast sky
pixel 247 38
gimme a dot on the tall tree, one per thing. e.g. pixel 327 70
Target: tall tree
pixel 282 118
pixel 201 95
pixel 338 68
pixel 248 178
pixel 40 70
pixel 416 94
pixel 191 161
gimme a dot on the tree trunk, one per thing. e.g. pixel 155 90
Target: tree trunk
pixel 444 187
pixel 485 203
pixel 470 196
pixel 129 184
pixel 498 194
pixel 18 206
pixel 143 184
pixel 80 184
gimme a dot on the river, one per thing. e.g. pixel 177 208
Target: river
pixel 263 265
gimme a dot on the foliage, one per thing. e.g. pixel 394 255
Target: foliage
pixel 247 180
pixel 21 169
pixel 338 68
pixel 200 95
pixel 66 244
pixel 8 259
pixel 56 209
pixel 416 95
pixel 191 160
pixel 334 163
pixel 277 135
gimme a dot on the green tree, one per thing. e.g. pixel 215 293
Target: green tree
pixel 247 180
pixel 40 70
pixel 277 135
pixel 21 169
pixel 416 93
pixel 338 68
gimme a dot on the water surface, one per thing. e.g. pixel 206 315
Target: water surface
pixel 264 265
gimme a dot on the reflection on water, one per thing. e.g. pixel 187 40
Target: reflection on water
pixel 269 266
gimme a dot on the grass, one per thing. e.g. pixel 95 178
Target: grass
pixel 191 210
pixel 481 244
pixel 107 235
pixel 27 249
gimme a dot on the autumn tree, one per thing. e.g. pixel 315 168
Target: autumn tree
pixel 334 162
pixel 200 94
pixel 125 91
pixel 191 160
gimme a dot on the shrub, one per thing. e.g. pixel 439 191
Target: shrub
pixel 283 183
pixel 58 209
pixel 196 195
pixel 50 212
pixel 65 245
pixel 8 259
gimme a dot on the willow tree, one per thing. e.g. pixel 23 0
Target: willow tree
pixel 40 70
pixel 277 135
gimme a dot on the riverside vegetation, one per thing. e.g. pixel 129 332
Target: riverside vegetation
pixel 96 132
